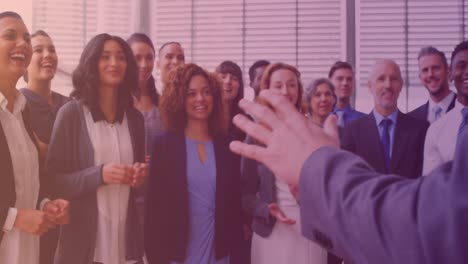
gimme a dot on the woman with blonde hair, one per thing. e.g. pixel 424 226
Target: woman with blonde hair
pixel 277 231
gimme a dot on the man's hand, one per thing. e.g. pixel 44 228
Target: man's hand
pixel 34 222
pixel 57 211
pixel 288 138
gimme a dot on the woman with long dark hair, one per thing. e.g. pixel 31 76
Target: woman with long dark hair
pixel 145 95
pixel 96 157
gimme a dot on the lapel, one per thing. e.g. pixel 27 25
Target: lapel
pixel 452 104
pixel 425 111
pixel 374 145
pixel 222 166
pixel 400 139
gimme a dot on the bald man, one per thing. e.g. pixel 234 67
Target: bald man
pixel 390 141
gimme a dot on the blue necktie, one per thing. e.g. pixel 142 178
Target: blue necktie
pixel 386 123
pixel 464 122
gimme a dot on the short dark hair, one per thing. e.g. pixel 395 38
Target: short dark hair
pixel 151 87
pixel 10 14
pixel 339 65
pixel 430 50
pixel 85 77
pixel 167 44
pixel 255 65
pixel 460 47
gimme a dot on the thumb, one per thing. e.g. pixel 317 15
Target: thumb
pixel 330 127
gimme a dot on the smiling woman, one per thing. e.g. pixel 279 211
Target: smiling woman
pixel 96 157
pixel 192 167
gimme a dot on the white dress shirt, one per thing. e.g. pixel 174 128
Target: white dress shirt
pixel 443 104
pixel 18 247
pixel 112 144
pixel 441 139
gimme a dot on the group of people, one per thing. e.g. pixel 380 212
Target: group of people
pixel 130 169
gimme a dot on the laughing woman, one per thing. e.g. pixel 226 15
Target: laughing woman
pixel 192 203
pixel 21 187
pixel 96 157
pixel 43 102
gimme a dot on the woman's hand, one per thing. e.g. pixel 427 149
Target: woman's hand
pixel 34 222
pixel 276 212
pixel 139 175
pixel 117 174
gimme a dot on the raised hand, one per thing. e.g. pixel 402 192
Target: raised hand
pixel 288 138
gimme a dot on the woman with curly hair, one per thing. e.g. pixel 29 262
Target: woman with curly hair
pixel 96 158
pixel 192 202
pixel 277 230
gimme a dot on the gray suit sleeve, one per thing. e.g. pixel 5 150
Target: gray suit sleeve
pixel 366 217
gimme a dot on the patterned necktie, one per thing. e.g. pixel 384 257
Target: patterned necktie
pixel 464 122
pixel 437 112
pixel 340 115
pixel 386 123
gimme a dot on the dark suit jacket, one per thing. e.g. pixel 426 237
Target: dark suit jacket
pixel 421 111
pixel 362 138
pixel 7 179
pixel 371 218
pixel 258 190
pixel 166 202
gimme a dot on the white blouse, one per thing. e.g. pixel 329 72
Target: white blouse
pixel 112 144
pixel 18 247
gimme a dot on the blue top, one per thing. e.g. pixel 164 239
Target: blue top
pixel 201 184
pixel 393 117
pixel 349 114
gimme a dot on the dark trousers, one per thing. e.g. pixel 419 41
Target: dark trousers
pixel 48 246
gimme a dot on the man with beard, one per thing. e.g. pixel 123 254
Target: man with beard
pixel 390 141
pixel 433 73
pixel 442 135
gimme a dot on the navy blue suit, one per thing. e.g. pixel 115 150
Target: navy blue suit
pixel 362 138
pixel 166 201
pixel 367 217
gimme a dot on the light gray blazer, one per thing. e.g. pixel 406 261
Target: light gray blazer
pixel 70 166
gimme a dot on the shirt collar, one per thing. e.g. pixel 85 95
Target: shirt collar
pixel 444 104
pixel 378 117
pixel 346 109
pixel 20 103
pixel 98 115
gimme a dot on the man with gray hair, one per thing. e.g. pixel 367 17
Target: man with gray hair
pixel 433 73
pixel 390 141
